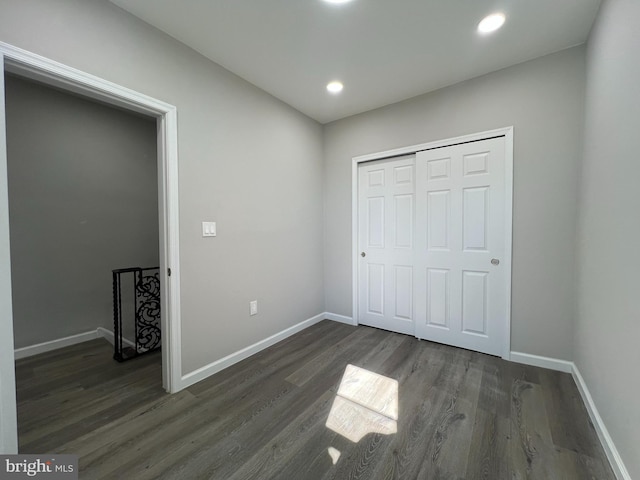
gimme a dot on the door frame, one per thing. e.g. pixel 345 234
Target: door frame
pixel 507 133
pixel 26 64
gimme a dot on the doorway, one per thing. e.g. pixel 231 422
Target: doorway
pixel 432 241
pixel 83 200
pixel 25 64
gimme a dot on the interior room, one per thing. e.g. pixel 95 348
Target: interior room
pixel 392 239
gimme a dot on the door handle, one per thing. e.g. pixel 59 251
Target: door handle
pixel 363 254
pixel 495 261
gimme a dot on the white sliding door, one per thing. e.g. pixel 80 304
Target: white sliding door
pixel 432 233
pixel 386 236
pixel 460 241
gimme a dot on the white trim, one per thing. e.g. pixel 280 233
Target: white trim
pixel 171 323
pixel 58 343
pixel 508 244
pixel 8 413
pixel 34 66
pixel 354 240
pixel 218 365
pixel 50 72
pixel 507 133
pixel 110 337
pixel 544 362
pixel 498 132
pixel 43 347
pixel 339 318
pixel 609 447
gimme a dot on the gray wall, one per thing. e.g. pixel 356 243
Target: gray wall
pixel 83 200
pixel 608 324
pixel 246 160
pixel 543 100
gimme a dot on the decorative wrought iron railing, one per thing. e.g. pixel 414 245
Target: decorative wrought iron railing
pixel 136 312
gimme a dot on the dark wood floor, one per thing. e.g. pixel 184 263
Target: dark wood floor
pixel 462 415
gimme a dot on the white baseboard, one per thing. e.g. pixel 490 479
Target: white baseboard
pixel 544 362
pixel 603 434
pixel 100 332
pixel 109 337
pixel 54 344
pixel 214 367
pixel 339 318
pixel 107 334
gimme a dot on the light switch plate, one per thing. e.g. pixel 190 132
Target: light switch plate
pixel 208 229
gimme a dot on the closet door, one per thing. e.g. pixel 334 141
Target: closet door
pixel 460 290
pixel 386 244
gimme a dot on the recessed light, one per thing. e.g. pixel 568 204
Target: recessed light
pixel 334 87
pixel 491 23
pixel 337 2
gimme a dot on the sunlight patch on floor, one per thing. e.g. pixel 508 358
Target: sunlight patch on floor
pixel 365 403
pixel 334 453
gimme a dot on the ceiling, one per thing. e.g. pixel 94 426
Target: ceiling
pixel 383 51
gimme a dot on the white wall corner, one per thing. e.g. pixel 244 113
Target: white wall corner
pixel 233 358
pixel 609 447
pixel 543 362
pixel 340 318
pixel 54 344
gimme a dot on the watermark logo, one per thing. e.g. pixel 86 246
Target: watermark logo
pixel 51 467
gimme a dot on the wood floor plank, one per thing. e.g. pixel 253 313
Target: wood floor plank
pixel 564 407
pixel 293 351
pixel 491 429
pixel 454 426
pixel 533 451
pixel 186 435
pixel 145 424
pixel 341 349
pixel 62 430
pixel 462 422
pixel 220 458
pixel 61 401
pixel 270 460
pixel 460 414
pixel 418 399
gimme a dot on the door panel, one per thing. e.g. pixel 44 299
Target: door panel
pixel 438 219
pixel 403 215
pixel 386 236
pixel 474 302
pixel 375 289
pixel 474 219
pixel 438 298
pixel 403 294
pixel 456 239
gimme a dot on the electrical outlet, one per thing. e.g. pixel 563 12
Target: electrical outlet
pixel 253 307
